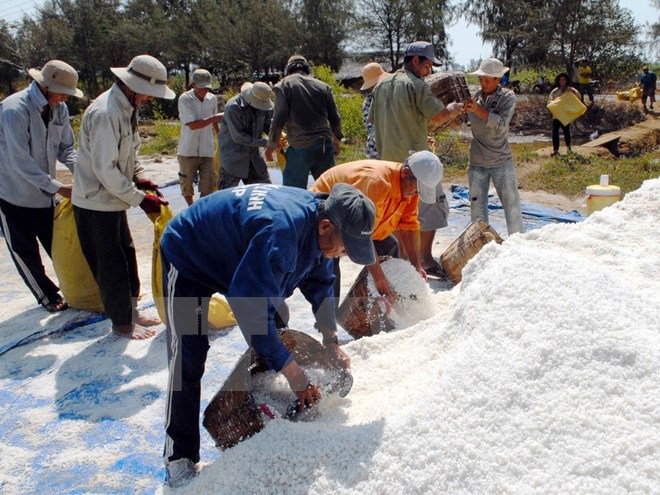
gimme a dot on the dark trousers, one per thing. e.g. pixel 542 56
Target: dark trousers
pixel 227 180
pixel 386 247
pixel 107 244
pixel 22 228
pixel 300 162
pixel 187 303
pixel 555 134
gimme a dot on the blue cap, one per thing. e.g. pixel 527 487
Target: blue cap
pixel 354 214
pixel 423 49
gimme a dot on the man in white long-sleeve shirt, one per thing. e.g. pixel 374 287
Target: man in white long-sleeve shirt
pixel 109 180
pixel 34 134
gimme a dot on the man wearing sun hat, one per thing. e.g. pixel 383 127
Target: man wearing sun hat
pixel 245 124
pixel 108 181
pixel 372 74
pixel 255 244
pixel 35 133
pixel 402 106
pixel 198 113
pixel 491 158
pixel 395 189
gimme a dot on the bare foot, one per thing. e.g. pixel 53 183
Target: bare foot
pixel 133 331
pixel 147 321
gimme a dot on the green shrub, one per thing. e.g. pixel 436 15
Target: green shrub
pixel 161 138
pixel 349 105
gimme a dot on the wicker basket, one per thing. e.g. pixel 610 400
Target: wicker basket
pixel 448 87
pixel 465 247
pixel 233 415
pixel 360 314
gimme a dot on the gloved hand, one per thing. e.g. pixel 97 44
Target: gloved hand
pixel 148 185
pixel 453 106
pixel 151 204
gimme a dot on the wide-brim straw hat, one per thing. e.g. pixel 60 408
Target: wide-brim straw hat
pixel 258 95
pixel 57 77
pixel 145 75
pixel 372 73
pixel 490 67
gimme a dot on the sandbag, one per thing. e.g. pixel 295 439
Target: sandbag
pixel 220 314
pixel 160 222
pixel 631 95
pixel 566 108
pixel 75 277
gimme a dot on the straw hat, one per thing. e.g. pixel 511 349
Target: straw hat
pixel 372 73
pixel 490 67
pixel 57 77
pixel 145 75
pixel 258 95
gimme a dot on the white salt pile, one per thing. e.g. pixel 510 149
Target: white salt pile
pixel 540 376
pixel 415 298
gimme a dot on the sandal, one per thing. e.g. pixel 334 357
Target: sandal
pixel 55 306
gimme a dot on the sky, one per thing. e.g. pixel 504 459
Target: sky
pixel 466 44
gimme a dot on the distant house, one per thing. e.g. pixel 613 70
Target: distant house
pixel 350 74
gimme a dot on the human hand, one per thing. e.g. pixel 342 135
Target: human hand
pixel 338 356
pixel 386 290
pixel 269 154
pixel 337 144
pixel 65 191
pixel 455 107
pixel 152 203
pixel 148 185
pixel 306 393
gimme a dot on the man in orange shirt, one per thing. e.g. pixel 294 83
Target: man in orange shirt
pixel 395 189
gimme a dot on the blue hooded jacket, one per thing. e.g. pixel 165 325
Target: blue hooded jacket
pixel 255 244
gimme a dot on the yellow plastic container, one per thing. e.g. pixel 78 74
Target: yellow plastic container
pixel 602 195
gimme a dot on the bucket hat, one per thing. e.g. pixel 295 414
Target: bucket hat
pixel 201 78
pixel 57 77
pixel 427 169
pixel 423 49
pixel 145 75
pixel 372 73
pixel 258 95
pixel 354 214
pixel 490 67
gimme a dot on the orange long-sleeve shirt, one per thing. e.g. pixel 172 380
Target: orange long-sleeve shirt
pixel 380 181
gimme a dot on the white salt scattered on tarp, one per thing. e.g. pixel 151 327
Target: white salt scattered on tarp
pixel 414 302
pixel 540 376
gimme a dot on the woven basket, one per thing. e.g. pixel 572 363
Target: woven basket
pixel 360 314
pixel 465 247
pixel 448 87
pixel 233 415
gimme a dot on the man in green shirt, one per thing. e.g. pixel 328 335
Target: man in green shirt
pixel 401 107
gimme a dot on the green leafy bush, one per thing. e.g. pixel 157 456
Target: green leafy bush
pixel 349 104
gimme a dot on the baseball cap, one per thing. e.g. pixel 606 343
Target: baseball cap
pixel 422 48
pixel 201 78
pixel 354 214
pixel 427 169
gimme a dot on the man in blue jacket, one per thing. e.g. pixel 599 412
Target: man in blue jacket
pixel 255 244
